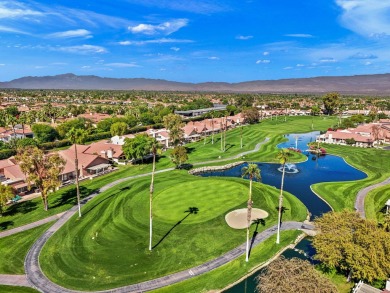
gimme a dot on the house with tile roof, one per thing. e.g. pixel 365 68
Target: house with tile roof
pixel 12 175
pixel 363 135
pixel 88 164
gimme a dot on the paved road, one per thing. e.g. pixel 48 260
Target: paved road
pixel 359 202
pixel 39 280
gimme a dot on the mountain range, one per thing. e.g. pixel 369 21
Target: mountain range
pixel 375 84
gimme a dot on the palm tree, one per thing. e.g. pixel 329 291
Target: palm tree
pixel 283 157
pixel 253 172
pixel 77 136
pixel 155 148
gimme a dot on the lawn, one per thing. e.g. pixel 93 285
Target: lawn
pixel 374 162
pixel 375 203
pixel 108 246
pixel 26 212
pixel 16 289
pixel 229 273
pixel 254 134
pixel 14 249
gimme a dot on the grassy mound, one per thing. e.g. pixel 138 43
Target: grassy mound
pixel 373 162
pixel 108 246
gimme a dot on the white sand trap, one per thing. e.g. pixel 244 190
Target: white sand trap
pixel 237 219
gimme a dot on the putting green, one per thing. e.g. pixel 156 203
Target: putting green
pixel 212 197
pixel 108 246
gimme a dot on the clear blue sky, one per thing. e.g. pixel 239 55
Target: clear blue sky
pixel 194 41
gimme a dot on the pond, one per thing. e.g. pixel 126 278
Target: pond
pixel 300 176
pixel 298 179
pixel 303 250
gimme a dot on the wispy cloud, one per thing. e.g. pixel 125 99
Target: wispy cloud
pixel 244 38
pixel 213 58
pixel 14 9
pixel 299 35
pixel 265 53
pixel 79 33
pixel 193 6
pixel 363 56
pixel 264 61
pixel 176 49
pixel 327 60
pixel 12 30
pixel 165 28
pixel 122 65
pixel 367 18
pixel 156 41
pixel 83 49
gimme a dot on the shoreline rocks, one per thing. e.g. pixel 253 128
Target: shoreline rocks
pixel 214 168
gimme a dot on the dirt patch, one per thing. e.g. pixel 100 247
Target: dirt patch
pixel 237 219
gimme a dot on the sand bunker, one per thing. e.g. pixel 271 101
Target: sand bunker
pixel 237 219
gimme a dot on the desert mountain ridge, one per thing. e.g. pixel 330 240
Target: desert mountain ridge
pixel 375 84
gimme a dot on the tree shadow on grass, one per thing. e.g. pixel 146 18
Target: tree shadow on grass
pixel 5 225
pixel 284 209
pixel 21 207
pixel 190 211
pixel 229 146
pixel 190 150
pixel 257 222
pixel 70 197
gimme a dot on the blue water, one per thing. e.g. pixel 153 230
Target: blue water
pixel 326 168
pixel 303 250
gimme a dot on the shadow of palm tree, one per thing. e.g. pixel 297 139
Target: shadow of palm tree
pixel 190 211
pixel 284 209
pixel 229 146
pixel 257 222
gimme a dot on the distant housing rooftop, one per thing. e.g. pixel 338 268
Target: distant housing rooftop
pixel 199 112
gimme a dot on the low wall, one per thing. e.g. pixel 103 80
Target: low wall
pixel 201 170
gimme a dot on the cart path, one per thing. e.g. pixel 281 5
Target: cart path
pixel 30 226
pixel 14 280
pixel 56 217
pixel 39 281
pixel 359 202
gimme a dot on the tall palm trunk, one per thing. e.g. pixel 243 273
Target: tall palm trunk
pixel 241 136
pixel 151 201
pixel 280 206
pixel 212 130
pixel 249 211
pixel 76 163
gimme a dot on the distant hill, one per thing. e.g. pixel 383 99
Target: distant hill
pixel 376 84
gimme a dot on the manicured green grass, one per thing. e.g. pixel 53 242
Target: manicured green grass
pixel 227 274
pixel 375 203
pixel 254 134
pixel 373 162
pixel 16 289
pixel 108 246
pixel 31 211
pixel 14 249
